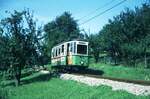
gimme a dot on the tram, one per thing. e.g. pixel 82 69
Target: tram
pixel 70 54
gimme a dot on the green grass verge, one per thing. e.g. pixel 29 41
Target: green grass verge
pixel 119 71
pixel 39 86
pixel 122 71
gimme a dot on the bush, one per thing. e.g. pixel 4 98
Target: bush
pixel 3 93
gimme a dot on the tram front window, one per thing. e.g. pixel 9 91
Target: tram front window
pixel 82 49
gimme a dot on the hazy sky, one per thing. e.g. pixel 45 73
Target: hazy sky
pixel 47 10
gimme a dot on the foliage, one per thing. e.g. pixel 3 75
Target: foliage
pixel 123 71
pixel 19 42
pixel 63 28
pixel 3 93
pixel 126 37
pixel 94 46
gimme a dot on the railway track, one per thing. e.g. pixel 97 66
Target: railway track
pixel 99 74
pixel 141 82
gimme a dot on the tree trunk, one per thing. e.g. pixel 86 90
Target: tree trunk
pixel 96 58
pixel 18 75
pixel 116 60
pixel 145 60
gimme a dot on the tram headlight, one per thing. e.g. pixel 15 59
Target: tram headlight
pixel 82 62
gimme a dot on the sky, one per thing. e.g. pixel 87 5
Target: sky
pixel 81 10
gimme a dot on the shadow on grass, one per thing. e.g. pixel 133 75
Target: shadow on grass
pixel 39 78
pixel 27 74
pixel 31 79
pixel 89 71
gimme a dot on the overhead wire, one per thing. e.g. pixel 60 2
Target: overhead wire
pixel 106 4
pixel 103 12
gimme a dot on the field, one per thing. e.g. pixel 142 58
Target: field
pixel 38 86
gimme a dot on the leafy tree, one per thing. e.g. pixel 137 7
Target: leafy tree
pixel 94 46
pixel 19 42
pixel 63 28
pixel 125 38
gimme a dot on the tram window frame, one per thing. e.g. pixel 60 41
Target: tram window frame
pixel 53 52
pixel 58 51
pixel 71 47
pixel 81 49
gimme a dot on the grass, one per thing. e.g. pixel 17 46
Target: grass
pixel 119 71
pixel 55 88
pixel 122 71
pixel 43 86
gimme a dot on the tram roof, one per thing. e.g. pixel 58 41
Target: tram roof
pixel 69 41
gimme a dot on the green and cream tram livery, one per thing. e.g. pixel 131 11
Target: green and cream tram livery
pixel 71 53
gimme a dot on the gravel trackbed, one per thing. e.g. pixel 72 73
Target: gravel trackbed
pixel 116 85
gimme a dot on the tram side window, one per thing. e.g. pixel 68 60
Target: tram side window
pixel 82 49
pixel 56 52
pixel 74 47
pixel 68 46
pixel 53 53
pixel 62 49
pixel 59 50
pixel 71 47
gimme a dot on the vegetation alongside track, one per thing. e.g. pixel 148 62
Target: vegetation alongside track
pixel 122 71
pixel 44 87
pixel 119 71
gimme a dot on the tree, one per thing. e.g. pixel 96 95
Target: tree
pixel 63 28
pixel 94 46
pixel 4 56
pixel 19 42
pixel 125 37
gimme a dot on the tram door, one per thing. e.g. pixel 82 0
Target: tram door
pixel 69 54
